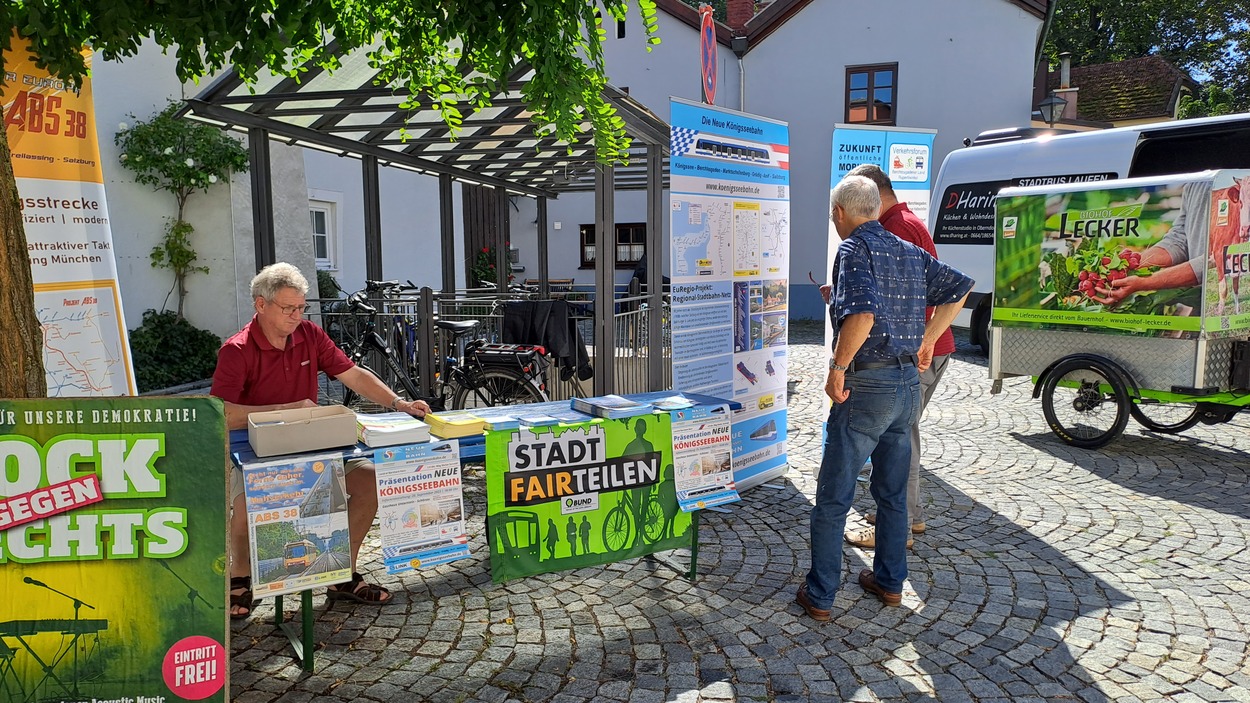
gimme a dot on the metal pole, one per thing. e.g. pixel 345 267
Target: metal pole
pixel 655 268
pixel 373 218
pixel 427 364
pixel 447 230
pixel 605 280
pixel 262 196
pixel 503 266
pixel 544 273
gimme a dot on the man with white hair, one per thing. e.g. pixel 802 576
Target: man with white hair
pixel 273 363
pixel 881 286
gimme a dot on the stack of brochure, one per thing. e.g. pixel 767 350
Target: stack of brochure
pixel 610 406
pixel 502 422
pixel 455 424
pixel 388 429
pixel 673 402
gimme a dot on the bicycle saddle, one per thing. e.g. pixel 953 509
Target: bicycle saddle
pixel 456 326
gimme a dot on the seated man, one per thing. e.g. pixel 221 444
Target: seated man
pixel 273 364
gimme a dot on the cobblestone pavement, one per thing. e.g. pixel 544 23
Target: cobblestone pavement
pixel 1047 573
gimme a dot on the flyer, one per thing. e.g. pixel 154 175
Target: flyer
pixel 297 523
pixel 420 505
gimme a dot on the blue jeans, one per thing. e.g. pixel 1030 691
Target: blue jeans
pixel 875 421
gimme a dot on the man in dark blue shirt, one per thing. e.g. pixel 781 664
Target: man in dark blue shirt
pixel 881 286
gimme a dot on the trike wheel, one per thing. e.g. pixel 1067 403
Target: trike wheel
pixel 1086 403
pixel 1165 417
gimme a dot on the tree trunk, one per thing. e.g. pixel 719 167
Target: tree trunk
pixel 21 335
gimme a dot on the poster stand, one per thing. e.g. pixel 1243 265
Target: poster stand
pixel 301 636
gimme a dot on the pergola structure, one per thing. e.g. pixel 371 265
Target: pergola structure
pixel 348 113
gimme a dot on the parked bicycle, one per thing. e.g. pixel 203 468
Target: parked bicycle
pixel 480 374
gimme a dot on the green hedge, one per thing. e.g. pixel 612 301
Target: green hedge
pixel 168 351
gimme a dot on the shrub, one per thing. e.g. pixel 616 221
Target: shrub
pixel 327 286
pixel 168 351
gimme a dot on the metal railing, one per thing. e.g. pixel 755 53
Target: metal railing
pixel 400 318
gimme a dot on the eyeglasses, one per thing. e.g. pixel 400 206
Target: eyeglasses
pixel 292 309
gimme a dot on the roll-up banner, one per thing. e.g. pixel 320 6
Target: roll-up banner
pixel 729 208
pixel 56 160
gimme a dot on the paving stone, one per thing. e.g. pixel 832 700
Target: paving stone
pixel 1047 573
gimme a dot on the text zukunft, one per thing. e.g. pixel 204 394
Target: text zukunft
pixel 125 467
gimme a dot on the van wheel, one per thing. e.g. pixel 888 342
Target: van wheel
pixel 979 331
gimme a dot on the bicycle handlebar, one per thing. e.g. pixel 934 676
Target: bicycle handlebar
pixel 358 302
pixel 389 286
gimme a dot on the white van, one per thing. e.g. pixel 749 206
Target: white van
pixel 961 213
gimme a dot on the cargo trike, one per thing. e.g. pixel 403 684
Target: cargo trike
pixel 1125 298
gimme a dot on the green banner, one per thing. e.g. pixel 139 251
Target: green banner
pixel 1105 320
pixel 113 543
pixel 567 496
pixel 1119 259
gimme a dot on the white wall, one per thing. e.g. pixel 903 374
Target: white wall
pixel 138 88
pixel 961 70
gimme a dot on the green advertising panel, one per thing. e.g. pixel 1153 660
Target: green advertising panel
pixel 1127 259
pixel 567 496
pixel 1227 297
pixel 112 550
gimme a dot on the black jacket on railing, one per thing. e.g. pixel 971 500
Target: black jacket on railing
pixel 547 322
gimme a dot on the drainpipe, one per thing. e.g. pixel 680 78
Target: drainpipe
pixel 739 46
pixel 1041 39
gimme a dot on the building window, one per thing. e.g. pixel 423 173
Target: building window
pixel 323 234
pixel 629 247
pixel 620 29
pixel 871 94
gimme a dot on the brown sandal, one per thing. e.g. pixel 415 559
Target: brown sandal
pixel 241 600
pixel 360 591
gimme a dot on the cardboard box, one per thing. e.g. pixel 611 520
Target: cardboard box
pixel 301 430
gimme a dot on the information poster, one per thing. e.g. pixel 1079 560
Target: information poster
pixel 702 453
pixel 573 495
pixel 113 549
pixel 1226 308
pixel 1089 256
pixel 905 155
pixel 729 209
pixel 420 505
pixel 297 523
pixel 56 159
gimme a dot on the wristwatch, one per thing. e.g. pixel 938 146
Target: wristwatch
pixel 835 366
pixel 395 403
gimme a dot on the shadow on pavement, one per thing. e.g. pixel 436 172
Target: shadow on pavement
pixel 1213 477
pixel 992 604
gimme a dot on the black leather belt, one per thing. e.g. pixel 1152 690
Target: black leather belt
pixel 896 362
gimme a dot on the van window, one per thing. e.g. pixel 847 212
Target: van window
pixel 1181 150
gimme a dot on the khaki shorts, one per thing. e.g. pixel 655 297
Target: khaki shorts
pixel 236 476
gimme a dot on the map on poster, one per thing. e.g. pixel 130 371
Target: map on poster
pixel 82 351
pixel 775 238
pixel 702 236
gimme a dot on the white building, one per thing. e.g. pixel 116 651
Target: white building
pixel 957 66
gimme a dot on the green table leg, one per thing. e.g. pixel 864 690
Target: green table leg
pixel 301 638
pixel 694 546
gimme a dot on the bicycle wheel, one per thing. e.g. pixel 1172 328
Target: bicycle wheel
pixel 616 532
pixel 1165 417
pixel 356 402
pixel 652 521
pixel 1086 403
pixel 491 387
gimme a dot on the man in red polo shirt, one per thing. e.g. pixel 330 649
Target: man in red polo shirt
pixel 900 221
pixel 273 363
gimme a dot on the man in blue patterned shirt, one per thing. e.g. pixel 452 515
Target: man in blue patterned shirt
pixel 881 286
